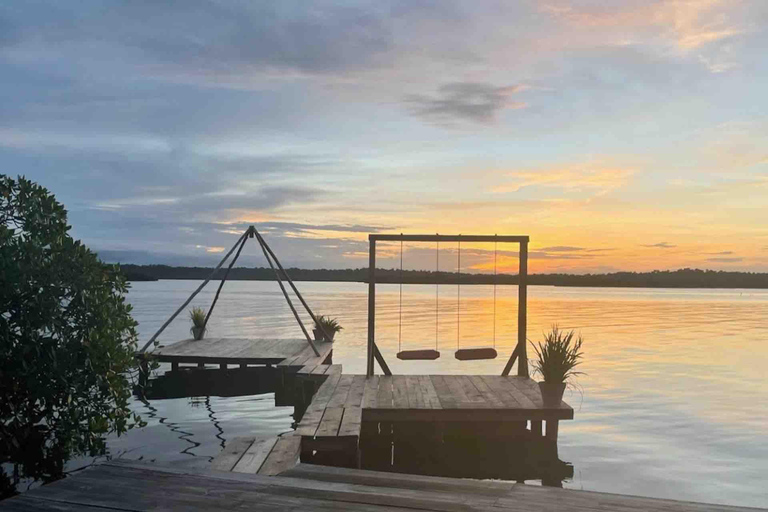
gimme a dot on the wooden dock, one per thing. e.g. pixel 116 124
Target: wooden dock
pixel 242 351
pixel 135 487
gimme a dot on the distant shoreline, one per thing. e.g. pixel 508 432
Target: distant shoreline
pixel 683 278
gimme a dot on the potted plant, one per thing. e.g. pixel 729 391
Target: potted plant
pixel 197 315
pixel 557 356
pixel 327 325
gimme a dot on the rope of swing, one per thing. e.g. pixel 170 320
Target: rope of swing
pixel 458 298
pixel 495 250
pixel 400 322
pixel 437 292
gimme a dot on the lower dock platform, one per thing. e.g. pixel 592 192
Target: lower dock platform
pixel 135 487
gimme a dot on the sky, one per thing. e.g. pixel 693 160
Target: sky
pixel 618 135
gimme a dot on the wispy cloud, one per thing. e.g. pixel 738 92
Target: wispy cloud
pixel 726 260
pixel 464 101
pixel 562 248
pixel 722 253
pixel 689 23
pixel 597 178
pixel 660 245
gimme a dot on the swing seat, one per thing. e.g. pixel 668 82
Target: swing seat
pixel 418 355
pixel 472 354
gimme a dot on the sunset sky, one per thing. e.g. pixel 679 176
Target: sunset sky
pixel 619 135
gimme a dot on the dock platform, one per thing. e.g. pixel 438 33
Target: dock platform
pixel 243 351
pixel 134 487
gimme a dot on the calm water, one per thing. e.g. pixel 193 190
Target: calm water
pixel 673 404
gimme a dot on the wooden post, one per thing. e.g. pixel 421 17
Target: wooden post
pixel 552 428
pixel 287 298
pixel 167 322
pixel 536 427
pixel 522 312
pixel 290 282
pixel 371 302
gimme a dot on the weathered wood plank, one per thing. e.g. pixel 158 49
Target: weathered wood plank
pixel 329 425
pixel 490 397
pixel 254 457
pixel 500 389
pixel 447 399
pixel 356 392
pixel 400 392
pixel 384 396
pixel 283 456
pixel 415 395
pixel 473 395
pixel 371 390
pixel 341 393
pixel 231 454
pixel 431 401
pixel 351 421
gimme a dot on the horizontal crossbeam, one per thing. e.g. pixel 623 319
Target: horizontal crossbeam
pixel 449 238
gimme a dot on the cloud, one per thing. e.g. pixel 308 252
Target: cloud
pixel 689 23
pixel 725 260
pixel 722 253
pixel 464 101
pixel 595 177
pixel 562 248
pixel 661 245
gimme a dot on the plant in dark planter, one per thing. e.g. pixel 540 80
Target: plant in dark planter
pixel 557 357
pixel 197 315
pixel 328 325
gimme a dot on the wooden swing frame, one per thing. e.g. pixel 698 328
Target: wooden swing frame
pixel 519 353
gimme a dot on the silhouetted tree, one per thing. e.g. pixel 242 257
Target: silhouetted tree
pixel 66 341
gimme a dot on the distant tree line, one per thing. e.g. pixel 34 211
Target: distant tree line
pixel 683 278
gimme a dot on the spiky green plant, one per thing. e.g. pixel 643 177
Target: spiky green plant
pixel 327 324
pixel 197 315
pixel 558 355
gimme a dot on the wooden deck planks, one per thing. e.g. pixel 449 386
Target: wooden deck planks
pixel 350 422
pixel 384 396
pixel 254 457
pixel 371 391
pixel 134 486
pixel 431 401
pixel 283 456
pixel 231 454
pixel 341 392
pixel 230 350
pixel 331 422
pixel 356 392
pixel 400 392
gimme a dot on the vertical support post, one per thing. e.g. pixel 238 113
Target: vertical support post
pixel 371 302
pixel 552 428
pixel 174 366
pixel 522 312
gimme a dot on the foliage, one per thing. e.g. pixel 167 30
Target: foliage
pixel 67 341
pixel 329 325
pixel 558 355
pixel 197 315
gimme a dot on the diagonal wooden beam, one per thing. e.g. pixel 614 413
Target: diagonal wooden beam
pixel 511 361
pixel 380 360
pixel 194 293
pixel 290 282
pixel 288 298
pixel 224 279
